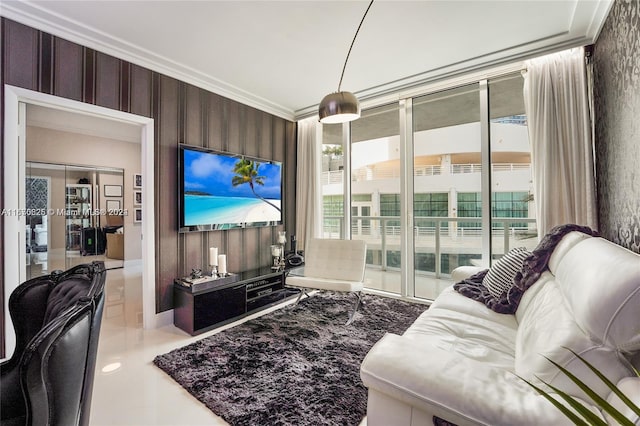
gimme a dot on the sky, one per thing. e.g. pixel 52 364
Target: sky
pixel 212 173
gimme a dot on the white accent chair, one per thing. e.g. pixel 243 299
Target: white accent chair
pixel 334 265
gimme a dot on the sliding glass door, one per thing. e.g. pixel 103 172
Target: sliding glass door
pixel 437 181
pixel 332 181
pixel 446 174
pixel 375 194
pixel 512 200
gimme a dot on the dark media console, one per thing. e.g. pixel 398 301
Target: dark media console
pixel 201 308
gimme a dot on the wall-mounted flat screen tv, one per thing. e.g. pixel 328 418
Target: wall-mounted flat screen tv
pixel 219 190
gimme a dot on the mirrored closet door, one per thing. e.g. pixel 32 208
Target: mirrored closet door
pixel 67 220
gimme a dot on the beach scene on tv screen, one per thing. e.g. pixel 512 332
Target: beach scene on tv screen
pixel 224 190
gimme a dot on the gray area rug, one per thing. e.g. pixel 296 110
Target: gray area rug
pixel 294 366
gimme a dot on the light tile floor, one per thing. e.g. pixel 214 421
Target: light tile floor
pixel 136 392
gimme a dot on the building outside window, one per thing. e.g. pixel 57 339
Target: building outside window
pixel 446 172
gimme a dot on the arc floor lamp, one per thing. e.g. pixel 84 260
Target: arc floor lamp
pixel 342 106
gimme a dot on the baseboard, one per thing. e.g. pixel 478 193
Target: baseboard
pixel 133 263
pixel 164 318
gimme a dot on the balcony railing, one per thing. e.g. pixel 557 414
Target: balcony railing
pixel 335 176
pixel 458 239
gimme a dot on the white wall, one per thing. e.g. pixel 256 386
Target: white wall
pixel 60 147
pixel 111 178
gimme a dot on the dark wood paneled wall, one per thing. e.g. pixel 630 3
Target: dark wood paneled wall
pixel 183 114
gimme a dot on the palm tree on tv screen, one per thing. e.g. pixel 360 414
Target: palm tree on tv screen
pixel 247 172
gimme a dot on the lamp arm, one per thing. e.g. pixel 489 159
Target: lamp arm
pixel 352 42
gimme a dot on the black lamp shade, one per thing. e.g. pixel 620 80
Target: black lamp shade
pixel 339 107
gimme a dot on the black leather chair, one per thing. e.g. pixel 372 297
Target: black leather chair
pixel 49 378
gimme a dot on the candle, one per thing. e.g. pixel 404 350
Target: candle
pixel 213 256
pixel 222 263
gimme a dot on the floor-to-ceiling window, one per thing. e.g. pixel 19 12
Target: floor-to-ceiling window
pixel 438 181
pixel 332 181
pixel 512 209
pixel 375 191
pixel 446 163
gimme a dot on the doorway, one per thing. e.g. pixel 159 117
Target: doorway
pixel 16 100
pixel 68 217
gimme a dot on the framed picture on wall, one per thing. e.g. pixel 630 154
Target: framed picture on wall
pixel 137 215
pixel 113 205
pixel 137 198
pixel 113 190
pixel 137 181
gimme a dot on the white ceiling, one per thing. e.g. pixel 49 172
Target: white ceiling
pixel 85 124
pixel 284 56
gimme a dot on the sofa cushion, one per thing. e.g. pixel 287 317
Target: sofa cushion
pixel 500 277
pixel 458 388
pixel 630 387
pixel 460 325
pixel 590 305
pixel 546 330
pixel 601 284
pixel 563 247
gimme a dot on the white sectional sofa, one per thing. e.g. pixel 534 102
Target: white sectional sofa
pixel 460 361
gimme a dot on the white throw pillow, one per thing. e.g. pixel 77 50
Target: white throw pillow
pixel 499 279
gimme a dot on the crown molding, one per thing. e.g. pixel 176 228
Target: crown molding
pixel 488 65
pixel 468 71
pixel 27 13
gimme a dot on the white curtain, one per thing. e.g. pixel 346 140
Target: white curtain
pixel 557 107
pixel 308 187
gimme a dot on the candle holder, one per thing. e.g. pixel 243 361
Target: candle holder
pixel 213 261
pixel 276 252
